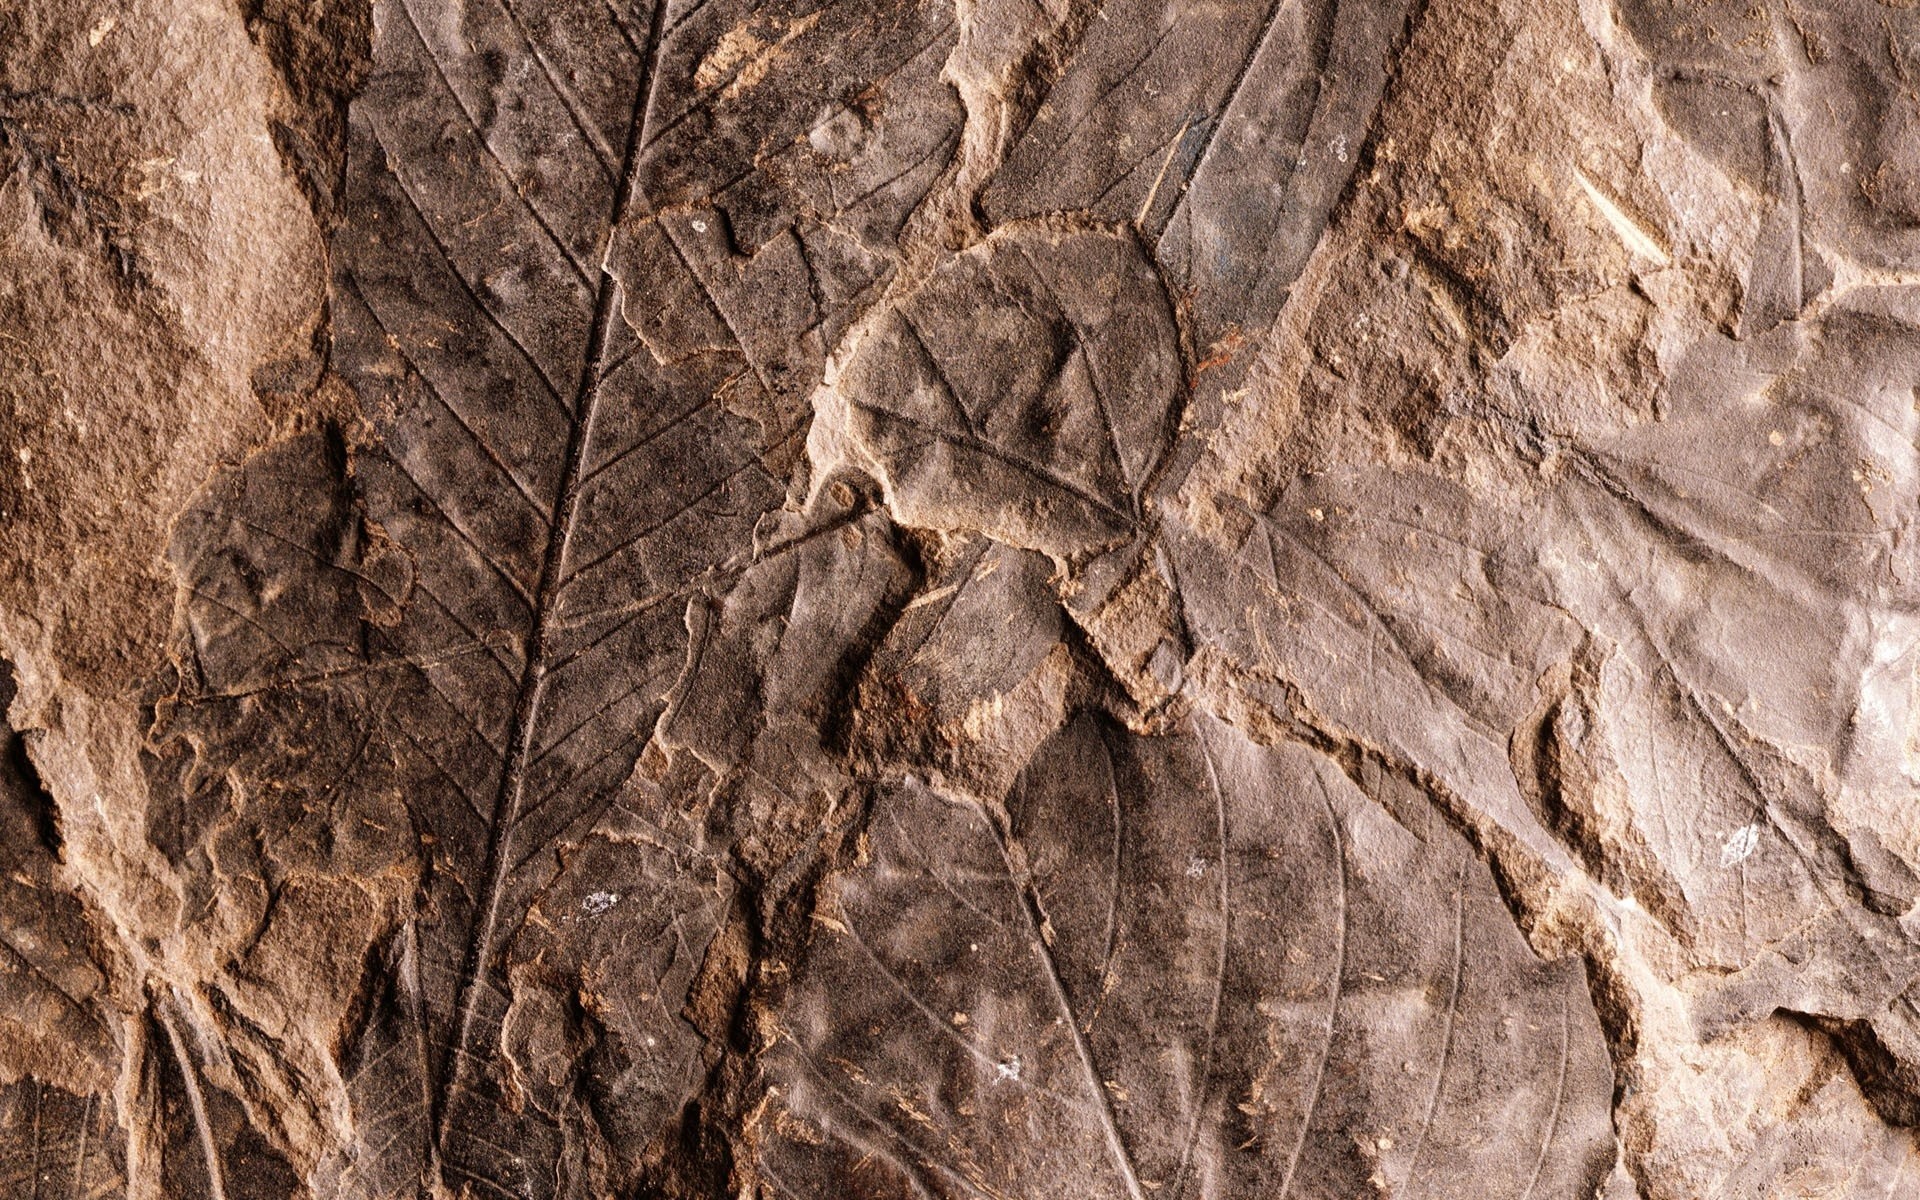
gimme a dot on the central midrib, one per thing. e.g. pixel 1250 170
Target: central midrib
pixel 533 672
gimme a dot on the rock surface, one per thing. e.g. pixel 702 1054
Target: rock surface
pixel 960 598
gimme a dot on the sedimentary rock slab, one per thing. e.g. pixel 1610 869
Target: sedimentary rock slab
pixel 959 598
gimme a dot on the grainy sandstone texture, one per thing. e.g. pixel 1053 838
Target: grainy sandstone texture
pixel 1131 599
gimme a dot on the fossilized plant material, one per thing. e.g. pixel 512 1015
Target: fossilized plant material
pixel 963 599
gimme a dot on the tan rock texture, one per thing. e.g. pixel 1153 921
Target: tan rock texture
pixel 959 599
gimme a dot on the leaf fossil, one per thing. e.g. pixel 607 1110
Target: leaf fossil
pixel 1182 965
pixel 576 393
pixel 959 599
pixel 510 685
